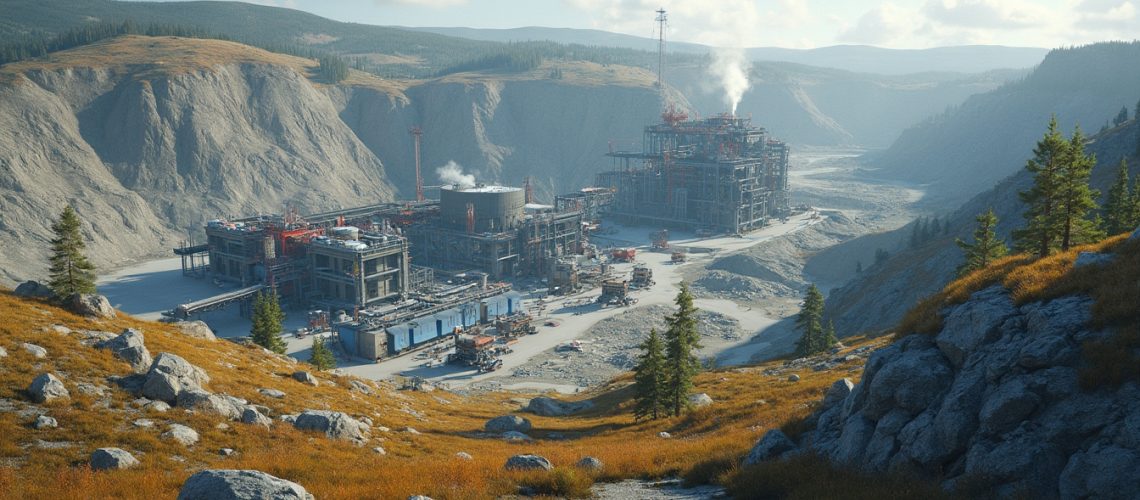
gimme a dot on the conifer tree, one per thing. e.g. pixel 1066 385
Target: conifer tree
pixel 813 339
pixel 829 338
pixel 681 343
pixel 650 382
pixel 1039 236
pixel 322 357
pixel 986 248
pixel 267 317
pixel 70 272
pixel 1120 207
pixel 1075 198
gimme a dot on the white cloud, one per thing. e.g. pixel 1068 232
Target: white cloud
pixel 986 14
pixel 885 25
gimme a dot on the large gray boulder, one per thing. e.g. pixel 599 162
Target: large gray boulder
pixel 774 444
pixel 590 464
pixel 170 375
pixel 129 346
pixel 36 351
pixel 528 462
pixel 333 424
pixel 196 329
pixel 181 434
pixel 507 423
pixel 837 393
pixel 305 377
pixel 221 484
pixel 47 387
pixel 252 416
pixel 548 407
pixel 217 404
pixel 974 323
pixel 33 290
pixel 89 304
pixel 700 400
pixel 112 458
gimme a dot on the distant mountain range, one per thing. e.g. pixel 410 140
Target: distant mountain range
pixel 857 58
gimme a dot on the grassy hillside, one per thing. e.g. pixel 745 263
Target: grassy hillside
pixel 50 463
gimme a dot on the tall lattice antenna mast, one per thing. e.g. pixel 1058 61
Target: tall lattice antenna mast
pixel 661 23
pixel 418 133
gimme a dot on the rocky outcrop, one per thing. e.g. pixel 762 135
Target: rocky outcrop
pixel 992 399
pixel 170 375
pixel 89 304
pixel 305 377
pixel 223 484
pixel 130 347
pixel 528 462
pixel 216 404
pixel 181 434
pixel 196 329
pixel 47 387
pixel 334 424
pixel 33 289
pixel 507 423
pixel 112 458
pixel 548 407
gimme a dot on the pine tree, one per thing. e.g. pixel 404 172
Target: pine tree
pixel 829 338
pixel 322 357
pixel 1121 117
pixel 650 382
pixel 681 344
pixel 70 272
pixel 1120 207
pixel 267 317
pixel 810 324
pixel 1039 235
pixel 1075 198
pixel 986 248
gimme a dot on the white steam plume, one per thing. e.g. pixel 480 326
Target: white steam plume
pixel 452 173
pixel 731 67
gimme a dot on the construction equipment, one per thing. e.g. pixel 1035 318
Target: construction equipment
pixel 474 350
pixel 614 292
pixel 624 254
pixel 660 239
pixel 642 276
pixel 677 257
pixel 515 326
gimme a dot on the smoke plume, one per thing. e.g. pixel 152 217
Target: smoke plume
pixel 452 173
pixel 731 67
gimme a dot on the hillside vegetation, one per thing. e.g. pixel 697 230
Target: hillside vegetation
pixel 50 463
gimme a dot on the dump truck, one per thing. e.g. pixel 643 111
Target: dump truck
pixel 624 254
pixel 642 276
pixel 677 257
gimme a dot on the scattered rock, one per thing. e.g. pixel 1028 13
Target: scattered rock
pixel 3 352
pixel 273 393
pixel 664 435
pixel 379 450
pixel 222 426
pixel 182 434
pixel 89 304
pixel 144 423
pixel 218 404
pixel 33 290
pixel 507 423
pixel 225 452
pixel 333 424
pixel 700 400
pixel 774 444
pixel 419 497
pixel 793 378
pixel 170 375
pixel 47 387
pixel 252 416
pixel 527 462
pixel 59 329
pixel 463 455
pixel 35 350
pixel 305 378
pixel 548 407
pixel 93 390
pixel 112 458
pixel 515 436
pixel 196 329
pixel 220 484
pixel 45 422
pixel 412 431
pixel 360 387
pixel 590 464
pixel 129 347
pixel 157 406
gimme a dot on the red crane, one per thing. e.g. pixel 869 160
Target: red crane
pixel 417 133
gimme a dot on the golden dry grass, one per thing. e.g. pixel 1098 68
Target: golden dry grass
pixel 151 57
pixel 703 443
pixel 582 73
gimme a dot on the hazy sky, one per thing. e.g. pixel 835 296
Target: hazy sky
pixel 785 23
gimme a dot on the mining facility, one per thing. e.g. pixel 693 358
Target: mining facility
pixel 718 175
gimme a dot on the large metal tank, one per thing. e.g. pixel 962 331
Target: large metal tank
pixel 497 208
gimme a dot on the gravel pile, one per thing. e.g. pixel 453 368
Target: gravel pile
pixel 724 284
pixel 611 346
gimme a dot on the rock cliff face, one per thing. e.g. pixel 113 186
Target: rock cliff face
pixel 991 401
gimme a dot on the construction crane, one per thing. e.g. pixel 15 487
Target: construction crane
pixel 417 133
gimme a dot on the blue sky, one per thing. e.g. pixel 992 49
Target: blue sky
pixel 784 23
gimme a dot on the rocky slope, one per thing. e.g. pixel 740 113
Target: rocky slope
pixel 988 137
pixel 1001 399
pixel 887 291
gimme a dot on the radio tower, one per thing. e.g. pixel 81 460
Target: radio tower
pixel 417 133
pixel 661 18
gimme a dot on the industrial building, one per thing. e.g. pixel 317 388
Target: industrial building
pixel 719 174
